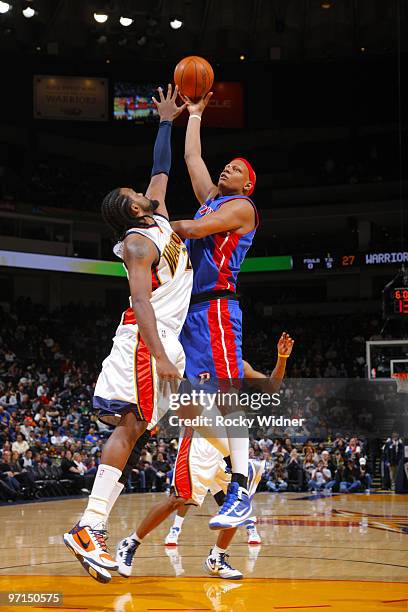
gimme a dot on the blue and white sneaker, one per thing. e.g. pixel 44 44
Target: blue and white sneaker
pixel 125 551
pixel 218 567
pixel 172 537
pixel 253 536
pixel 236 509
pixel 255 472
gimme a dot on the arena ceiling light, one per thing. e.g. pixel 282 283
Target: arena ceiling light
pixel 4 7
pixel 125 21
pixel 28 12
pixel 100 17
pixel 176 24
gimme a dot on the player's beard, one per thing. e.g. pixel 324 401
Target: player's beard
pixel 146 219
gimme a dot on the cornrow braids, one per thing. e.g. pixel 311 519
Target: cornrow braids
pixel 116 212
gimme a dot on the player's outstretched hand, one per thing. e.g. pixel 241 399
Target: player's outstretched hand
pixel 167 107
pixel 197 108
pixel 285 345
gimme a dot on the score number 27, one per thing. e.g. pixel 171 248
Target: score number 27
pixel 347 260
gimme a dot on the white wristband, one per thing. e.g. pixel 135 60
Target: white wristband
pixel 195 117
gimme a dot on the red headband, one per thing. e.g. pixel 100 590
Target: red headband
pixel 252 175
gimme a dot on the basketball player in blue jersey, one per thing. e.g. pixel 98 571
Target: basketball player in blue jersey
pixel 217 240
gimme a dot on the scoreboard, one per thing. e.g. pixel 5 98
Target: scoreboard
pixel 331 261
pixel 395 302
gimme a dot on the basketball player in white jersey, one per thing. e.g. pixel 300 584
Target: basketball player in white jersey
pixel 146 347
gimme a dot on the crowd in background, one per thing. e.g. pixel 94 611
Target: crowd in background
pixel 51 440
pixel 66 182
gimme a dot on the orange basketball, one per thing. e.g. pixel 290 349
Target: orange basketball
pixel 194 77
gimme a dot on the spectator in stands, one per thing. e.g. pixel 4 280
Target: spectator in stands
pixel 393 452
pixel 40 417
pixel 350 482
pixel 70 471
pixel 320 477
pixel 288 446
pixel 265 443
pixel 295 471
pixel 146 456
pixel 278 476
pixel 91 438
pixel 4 416
pixel 26 460
pixel 327 462
pixel 309 463
pixel 59 438
pixel 7 474
pixel 353 449
pixel 161 468
pixel 20 445
pixel 365 477
pixel 8 400
pixel 145 467
pixel 22 474
pixel 84 471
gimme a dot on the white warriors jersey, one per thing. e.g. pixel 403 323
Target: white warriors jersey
pixel 172 276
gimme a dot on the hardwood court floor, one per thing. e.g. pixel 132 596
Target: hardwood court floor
pixel 335 553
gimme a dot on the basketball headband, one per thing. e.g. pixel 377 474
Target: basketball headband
pixel 251 171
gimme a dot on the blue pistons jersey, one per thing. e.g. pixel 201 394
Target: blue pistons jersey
pixel 212 333
pixel 217 259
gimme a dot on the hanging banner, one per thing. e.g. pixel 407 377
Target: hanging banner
pixel 70 98
pixel 225 109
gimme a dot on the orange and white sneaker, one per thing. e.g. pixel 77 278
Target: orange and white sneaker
pixel 89 544
pixel 95 571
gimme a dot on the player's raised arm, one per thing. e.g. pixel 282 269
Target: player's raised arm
pixel 168 111
pixel 139 254
pixel 200 177
pixel 273 382
pixel 236 215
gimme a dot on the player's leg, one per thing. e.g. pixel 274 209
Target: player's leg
pixel 226 316
pixel 217 326
pixel 87 539
pixel 126 373
pixel 186 489
pixel 216 564
pixel 132 463
pixel 175 530
pixel 255 472
pixel 128 546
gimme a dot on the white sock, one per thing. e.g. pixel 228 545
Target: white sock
pixel 136 537
pixel 114 496
pixel 104 486
pixel 216 551
pixel 178 521
pixel 239 448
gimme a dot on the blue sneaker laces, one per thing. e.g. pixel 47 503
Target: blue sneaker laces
pixel 223 560
pixel 129 553
pixel 231 498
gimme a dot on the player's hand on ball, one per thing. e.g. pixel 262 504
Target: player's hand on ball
pixel 167 107
pixel 285 345
pixel 197 108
